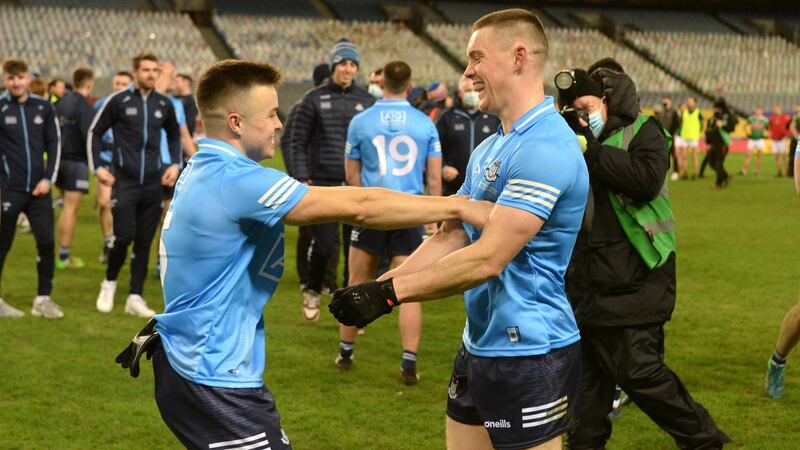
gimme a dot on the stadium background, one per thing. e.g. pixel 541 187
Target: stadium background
pixel 737 253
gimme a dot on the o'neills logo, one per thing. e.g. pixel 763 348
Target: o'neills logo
pixel 502 423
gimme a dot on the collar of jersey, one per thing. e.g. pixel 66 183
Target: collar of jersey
pixel 217 146
pixel 7 96
pixel 531 117
pixel 394 101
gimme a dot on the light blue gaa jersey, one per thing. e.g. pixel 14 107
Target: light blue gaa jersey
pixel 180 116
pixel 537 167
pixel 221 254
pixel 393 140
pixel 108 136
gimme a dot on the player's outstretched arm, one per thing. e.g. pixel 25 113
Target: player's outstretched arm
pixel 507 232
pixel 379 208
pixel 449 238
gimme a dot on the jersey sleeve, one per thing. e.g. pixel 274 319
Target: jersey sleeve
pixel 180 112
pixel 434 145
pixel 250 191
pixel 535 181
pixel 351 148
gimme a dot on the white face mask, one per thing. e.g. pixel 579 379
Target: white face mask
pixel 375 90
pixel 470 99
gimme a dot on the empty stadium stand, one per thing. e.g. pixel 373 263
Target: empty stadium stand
pixel 298 8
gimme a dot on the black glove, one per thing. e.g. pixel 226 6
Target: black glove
pixel 361 304
pixel 145 341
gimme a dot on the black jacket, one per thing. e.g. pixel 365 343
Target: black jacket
pixel 30 145
pixel 607 281
pixel 713 136
pixel 75 114
pixel 460 131
pixel 286 139
pixel 319 131
pixel 137 124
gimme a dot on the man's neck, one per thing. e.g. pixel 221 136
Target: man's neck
pixel 227 138
pixel 342 85
pixel 516 109
pixel 389 96
pixel 22 98
pixel 143 91
pixel 83 91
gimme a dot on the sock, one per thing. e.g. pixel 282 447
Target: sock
pixel 409 361
pixel 346 349
pixel 108 241
pixel 63 253
pixel 777 359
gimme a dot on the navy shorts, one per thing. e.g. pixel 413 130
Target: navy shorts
pixel 522 401
pixel 204 417
pixel 389 243
pixel 73 176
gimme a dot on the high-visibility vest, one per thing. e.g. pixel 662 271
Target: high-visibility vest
pixel 649 226
pixel 690 124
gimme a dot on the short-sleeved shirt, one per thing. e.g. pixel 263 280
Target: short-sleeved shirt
pixel 393 140
pixel 221 253
pixel 180 116
pixel 779 126
pixel 758 126
pixel 536 167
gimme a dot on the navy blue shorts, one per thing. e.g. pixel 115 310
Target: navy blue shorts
pixel 389 243
pixel 522 401
pixel 204 417
pixel 73 176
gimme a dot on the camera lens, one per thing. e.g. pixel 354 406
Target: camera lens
pixel 564 79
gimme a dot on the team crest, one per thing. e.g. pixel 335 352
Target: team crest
pixel 38 120
pixel 491 172
pixel 486 129
pixel 158 114
pixel 452 391
pixel 359 107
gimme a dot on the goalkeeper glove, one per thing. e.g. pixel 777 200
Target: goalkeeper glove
pixel 361 304
pixel 144 342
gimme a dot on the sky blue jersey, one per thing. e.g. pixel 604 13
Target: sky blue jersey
pixel 536 167
pixel 180 116
pixel 221 253
pixel 393 140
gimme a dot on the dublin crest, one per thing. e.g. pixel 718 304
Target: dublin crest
pixel 491 172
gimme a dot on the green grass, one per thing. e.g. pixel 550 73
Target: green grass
pixel 737 277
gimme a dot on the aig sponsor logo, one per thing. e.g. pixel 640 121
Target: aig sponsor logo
pixel 393 116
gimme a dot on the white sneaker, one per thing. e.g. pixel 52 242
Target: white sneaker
pixel 105 300
pixel 311 306
pixel 8 311
pixel 136 306
pixel 674 176
pixel 43 306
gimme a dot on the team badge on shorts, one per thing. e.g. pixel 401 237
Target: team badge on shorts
pixel 491 172
pixel 456 388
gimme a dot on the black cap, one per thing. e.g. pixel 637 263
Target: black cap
pixel 321 72
pixel 582 84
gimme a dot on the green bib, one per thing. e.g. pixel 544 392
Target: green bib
pixel 649 226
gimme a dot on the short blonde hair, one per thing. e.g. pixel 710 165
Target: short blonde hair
pixel 520 22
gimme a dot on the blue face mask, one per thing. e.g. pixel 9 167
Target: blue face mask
pixel 596 123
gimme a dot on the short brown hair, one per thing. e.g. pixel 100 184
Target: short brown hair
pixel 82 76
pixel 38 87
pixel 15 67
pixel 124 73
pixel 225 78
pixel 186 77
pixel 396 76
pixel 516 17
pixel 137 60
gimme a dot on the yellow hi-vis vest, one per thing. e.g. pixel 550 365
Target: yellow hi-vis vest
pixel 649 226
pixel 690 124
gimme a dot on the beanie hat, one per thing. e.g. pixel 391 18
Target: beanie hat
pixel 437 92
pixel 321 72
pixel 344 50
pixel 583 85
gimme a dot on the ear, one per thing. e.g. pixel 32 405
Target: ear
pixel 380 83
pixel 234 122
pixel 520 55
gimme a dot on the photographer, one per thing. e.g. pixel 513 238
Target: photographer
pixel 621 279
pixel 718 138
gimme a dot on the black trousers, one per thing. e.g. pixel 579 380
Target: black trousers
pixel 792 151
pixel 631 358
pixel 324 255
pixel 39 211
pixel 304 239
pixel 716 158
pixel 136 210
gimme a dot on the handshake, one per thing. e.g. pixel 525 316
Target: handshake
pixel 361 304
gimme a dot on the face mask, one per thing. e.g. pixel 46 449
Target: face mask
pixel 596 123
pixel 375 90
pixel 470 99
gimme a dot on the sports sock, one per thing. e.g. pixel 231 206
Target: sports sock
pixel 346 349
pixel 108 241
pixel 409 361
pixel 63 253
pixel 777 359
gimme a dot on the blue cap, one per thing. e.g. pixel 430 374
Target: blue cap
pixel 344 50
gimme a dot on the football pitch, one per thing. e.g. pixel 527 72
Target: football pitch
pixel 738 274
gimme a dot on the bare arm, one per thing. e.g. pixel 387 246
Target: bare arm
pixel 507 232
pixel 352 172
pixel 449 238
pixel 382 208
pixel 433 174
pixel 797 175
pixel 186 142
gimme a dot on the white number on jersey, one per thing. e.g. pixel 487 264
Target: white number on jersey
pixel 409 158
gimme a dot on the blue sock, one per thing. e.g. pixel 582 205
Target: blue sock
pixel 346 349
pixel 409 361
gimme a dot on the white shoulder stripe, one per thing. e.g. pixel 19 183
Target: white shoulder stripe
pixel 531 191
pixel 529 198
pixel 272 189
pixel 532 117
pixel 278 192
pixel 217 147
pixel 286 195
pixel 534 184
pixel 238 441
